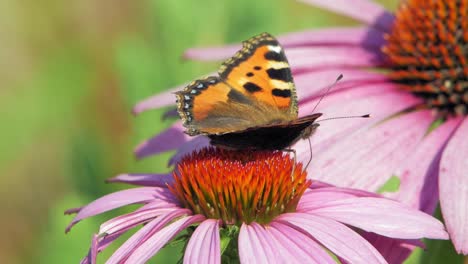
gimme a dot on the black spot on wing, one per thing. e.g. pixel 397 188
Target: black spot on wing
pixel 257 68
pixel 249 74
pixel 274 56
pixel 281 93
pixel 236 96
pixel 252 87
pixel 283 74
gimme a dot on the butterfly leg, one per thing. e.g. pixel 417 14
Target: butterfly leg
pixel 310 159
pixel 289 150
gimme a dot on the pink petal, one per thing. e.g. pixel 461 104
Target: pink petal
pixel 364 99
pixel 351 36
pixel 154 243
pixel 254 246
pixel 204 245
pixel 393 250
pixel 319 197
pixel 143 235
pixel 135 218
pixel 170 139
pixel 316 82
pixel 163 99
pixel 299 247
pixel 419 178
pixel 336 237
pixel 365 11
pixel 355 36
pixel 367 159
pixel 118 199
pixel 92 254
pixel 453 187
pixel 313 58
pixel 384 217
pixel 196 143
pixel 156 180
pixel 102 243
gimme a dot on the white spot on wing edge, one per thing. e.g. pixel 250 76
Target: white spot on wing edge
pixel 276 49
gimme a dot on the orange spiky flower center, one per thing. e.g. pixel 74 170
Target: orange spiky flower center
pixel 428 53
pixel 239 186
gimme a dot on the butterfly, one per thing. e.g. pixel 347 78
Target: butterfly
pixel 252 104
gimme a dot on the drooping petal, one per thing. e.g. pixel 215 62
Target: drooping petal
pixel 366 11
pixel 419 176
pixel 204 244
pixel 453 187
pixel 154 243
pixel 119 199
pixel 143 235
pixel 92 253
pixel 394 250
pixel 156 180
pixel 367 159
pixel 336 237
pixel 170 139
pixel 353 36
pixel 296 246
pixel 383 216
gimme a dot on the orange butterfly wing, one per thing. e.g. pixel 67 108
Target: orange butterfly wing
pixel 255 88
pixel 261 69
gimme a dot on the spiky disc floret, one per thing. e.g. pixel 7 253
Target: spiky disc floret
pixel 428 52
pixel 239 186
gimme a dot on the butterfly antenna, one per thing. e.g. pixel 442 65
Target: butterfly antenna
pixel 327 91
pixel 345 117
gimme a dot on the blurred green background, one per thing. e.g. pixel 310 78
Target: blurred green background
pixel 70 72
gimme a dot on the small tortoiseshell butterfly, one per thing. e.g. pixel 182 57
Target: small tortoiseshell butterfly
pixel 251 105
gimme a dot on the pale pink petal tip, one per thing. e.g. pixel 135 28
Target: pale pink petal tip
pixel 163 99
pixel 204 245
pixel 453 187
pixel 365 11
pixel 383 216
pixel 155 180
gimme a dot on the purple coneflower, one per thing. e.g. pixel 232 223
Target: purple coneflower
pixel 260 203
pixel 418 99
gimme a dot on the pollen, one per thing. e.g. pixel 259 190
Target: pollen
pixel 239 186
pixel 427 53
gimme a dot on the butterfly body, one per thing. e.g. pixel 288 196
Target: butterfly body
pixel 274 137
pixel 251 105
